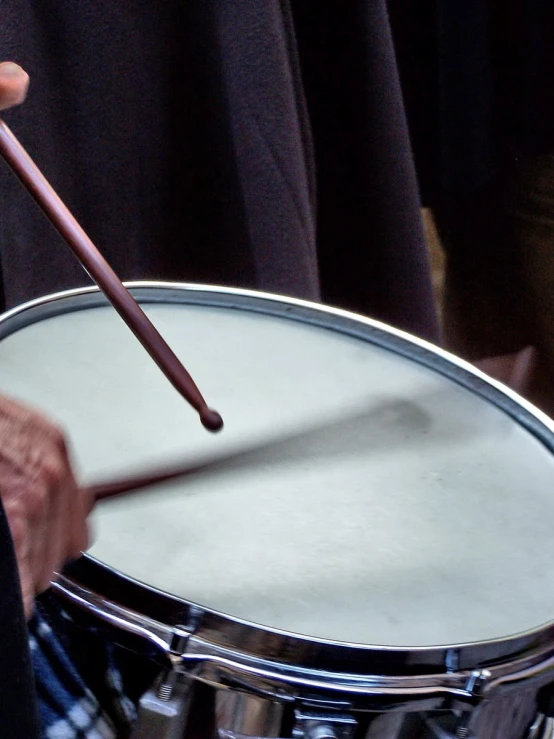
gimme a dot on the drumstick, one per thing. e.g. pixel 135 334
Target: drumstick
pixel 113 489
pixel 104 276
pixel 106 490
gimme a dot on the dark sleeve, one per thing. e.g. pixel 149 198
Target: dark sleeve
pixel 18 713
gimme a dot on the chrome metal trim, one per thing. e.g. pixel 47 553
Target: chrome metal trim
pixel 108 612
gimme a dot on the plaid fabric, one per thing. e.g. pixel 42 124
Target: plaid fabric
pixel 71 707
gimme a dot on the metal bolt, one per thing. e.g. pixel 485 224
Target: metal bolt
pixel 164 692
pixel 166 686
pixel 320 731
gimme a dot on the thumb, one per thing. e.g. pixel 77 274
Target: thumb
pixel 14 83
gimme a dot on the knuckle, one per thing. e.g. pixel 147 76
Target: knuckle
pixel 53 469
pixel 42 426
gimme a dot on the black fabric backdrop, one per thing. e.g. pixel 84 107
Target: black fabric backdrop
pixel 477 77
pixel 254 144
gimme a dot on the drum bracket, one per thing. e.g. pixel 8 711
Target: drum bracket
pixel 477 683
pixel 163 709
pixel 311 725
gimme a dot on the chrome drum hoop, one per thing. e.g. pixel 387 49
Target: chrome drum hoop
pixel 188 648
pixel 221 649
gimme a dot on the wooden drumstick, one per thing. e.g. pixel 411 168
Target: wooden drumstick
pixel 118 488
pixel 245 456
pixel 104 276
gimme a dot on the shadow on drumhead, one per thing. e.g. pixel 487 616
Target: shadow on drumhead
pixel 388 427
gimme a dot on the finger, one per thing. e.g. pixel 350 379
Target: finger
pixel 22 546
pixel 54 526
pixel 42 468
pixel 14 83
pixel 27 590
pixel 56 532
pixel 80 534
pixel 42 540
pixel 78 507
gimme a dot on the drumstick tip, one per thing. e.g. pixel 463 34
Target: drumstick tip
pixel 211 420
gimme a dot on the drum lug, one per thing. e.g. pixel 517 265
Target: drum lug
pixel 475 686
pixel 477 683
pixel 179 639
pixel 163 709
pixel 310 725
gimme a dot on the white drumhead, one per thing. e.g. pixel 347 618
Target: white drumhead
pixel 380 502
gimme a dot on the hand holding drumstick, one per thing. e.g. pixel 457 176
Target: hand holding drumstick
pixel 46 511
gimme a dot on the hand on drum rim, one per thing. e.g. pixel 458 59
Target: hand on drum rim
pixel 46 511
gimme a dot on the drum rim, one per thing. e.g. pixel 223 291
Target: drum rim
pixel 226 632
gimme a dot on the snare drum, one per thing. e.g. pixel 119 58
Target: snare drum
pixel 366 550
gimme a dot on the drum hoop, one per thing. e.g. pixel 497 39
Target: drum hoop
pixel 227 633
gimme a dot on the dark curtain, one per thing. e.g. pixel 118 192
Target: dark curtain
pixel 254 144
pixel 477 82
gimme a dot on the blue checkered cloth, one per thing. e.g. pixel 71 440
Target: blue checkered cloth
pixel 71 705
